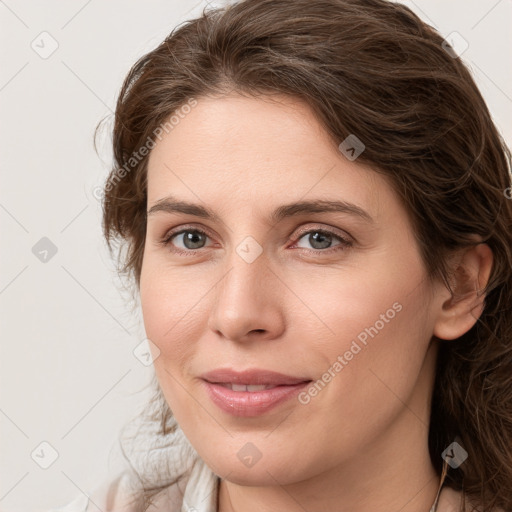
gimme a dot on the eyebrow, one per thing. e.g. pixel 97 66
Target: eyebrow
pixel 170 204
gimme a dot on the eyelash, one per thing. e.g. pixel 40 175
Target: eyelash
pixel 344 242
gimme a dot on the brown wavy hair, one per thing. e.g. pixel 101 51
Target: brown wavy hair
pixel 374 69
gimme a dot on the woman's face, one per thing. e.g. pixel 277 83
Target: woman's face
pixel 337 296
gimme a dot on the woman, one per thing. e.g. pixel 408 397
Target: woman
pixel 313 199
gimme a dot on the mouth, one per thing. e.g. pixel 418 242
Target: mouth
pixel 251 393
pixel 245 387
pixel 251 377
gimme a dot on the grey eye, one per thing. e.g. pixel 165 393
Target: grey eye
pixel 318 239
pixel 192 239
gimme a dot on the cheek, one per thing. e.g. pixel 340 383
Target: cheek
pixel 367 320
pixel 172 323
pixel 174 309
pixel 369 367
pixel 341 304
pixel 380 335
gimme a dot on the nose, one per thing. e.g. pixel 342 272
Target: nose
pixel 248 302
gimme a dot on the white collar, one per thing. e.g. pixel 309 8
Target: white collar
pixel 201 489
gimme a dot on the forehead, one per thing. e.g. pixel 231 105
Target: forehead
pixel 237 150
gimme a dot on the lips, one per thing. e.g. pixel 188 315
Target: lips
pixel 252 392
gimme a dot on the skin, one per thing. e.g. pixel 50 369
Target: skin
pixel 361 443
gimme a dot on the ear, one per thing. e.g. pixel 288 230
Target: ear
pixel 469 276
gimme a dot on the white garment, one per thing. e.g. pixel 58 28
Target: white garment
pixel 157 460
pixel 200 495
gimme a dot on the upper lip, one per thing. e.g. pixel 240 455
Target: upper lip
pixel 253 376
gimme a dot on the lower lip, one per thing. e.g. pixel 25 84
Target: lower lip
pixel 246 403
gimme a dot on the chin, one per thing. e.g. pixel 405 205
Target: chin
pixel 250 477
pixel 266 472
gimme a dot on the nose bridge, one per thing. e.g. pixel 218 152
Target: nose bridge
pixel 246 281
pixel 247 261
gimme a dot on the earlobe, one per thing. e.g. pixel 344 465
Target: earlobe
pixel 459 313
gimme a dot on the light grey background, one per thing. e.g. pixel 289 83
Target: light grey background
pixel 69 376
